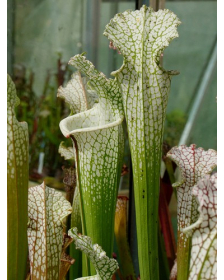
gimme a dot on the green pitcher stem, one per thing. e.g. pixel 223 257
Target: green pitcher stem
pixel 183 257
pixel 146 182
pixel 163 261
pixel 76 270
pixel 85 262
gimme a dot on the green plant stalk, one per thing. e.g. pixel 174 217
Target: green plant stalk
pixel 120 230
pixel 183 256
pixel 141 36
pixel 76 269
pixel 17 188
pixel 98 144
pixel 79 211
pixel 163 261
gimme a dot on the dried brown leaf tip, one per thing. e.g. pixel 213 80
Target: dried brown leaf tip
pixel 67 240
pixel 66 262
pixel 124 170
pixel 111 46
pixel 69 177
pixel 69 182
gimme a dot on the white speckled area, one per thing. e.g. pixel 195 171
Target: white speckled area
pixel 98 149
pixel 141 36
pixel 47 208
pixel 203 262
pixel 194 164
pixel 105 267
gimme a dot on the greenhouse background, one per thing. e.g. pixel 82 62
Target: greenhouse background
pixel 43 35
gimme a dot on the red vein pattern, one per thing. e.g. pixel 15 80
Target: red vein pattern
pixel 193 164
pixel 46 209
pixel 203 263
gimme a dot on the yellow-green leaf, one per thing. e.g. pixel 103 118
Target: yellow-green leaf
pixel 17 188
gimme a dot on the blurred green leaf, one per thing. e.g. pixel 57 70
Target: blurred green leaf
pixel 17 188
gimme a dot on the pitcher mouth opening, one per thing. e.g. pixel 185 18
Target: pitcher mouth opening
pixel 67 133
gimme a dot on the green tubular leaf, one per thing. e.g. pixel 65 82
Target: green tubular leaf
pixel 47 208
pixel 141 36
pixel 80 98
pixel 76 269
pixel 194 164
pixel 17 188
pixel 105 267
pixel 98 141
pixel 77 95
pixel 203 263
